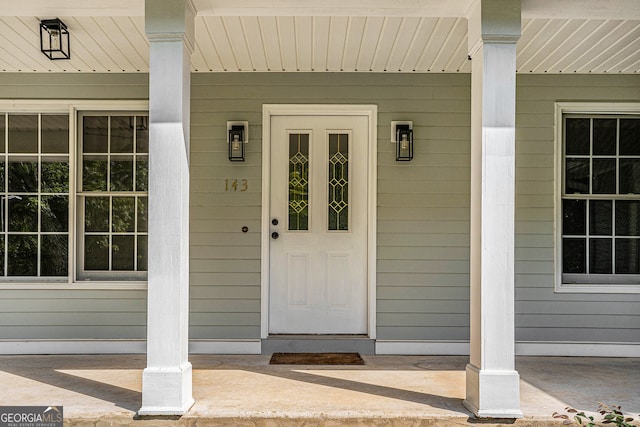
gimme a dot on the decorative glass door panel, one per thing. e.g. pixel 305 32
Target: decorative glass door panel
pixel 298 181
pixel 338 181
pixel 318 225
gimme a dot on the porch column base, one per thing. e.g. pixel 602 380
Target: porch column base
pixel 493 394
pixel 166 391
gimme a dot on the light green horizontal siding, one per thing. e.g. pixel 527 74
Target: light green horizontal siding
pixel 87 330
pixel 439 332
pixel 72 314
pixel 67 301
pixel 421 283
pixel 581 333
pixel 74 86
pixel 541 313
pixel 442 299
pixel 64 319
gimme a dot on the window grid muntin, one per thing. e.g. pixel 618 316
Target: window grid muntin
pixel 136 233
pixel 70 111
pixel 82 273
pixel 633 277
pixel 135 155
pixel 6 194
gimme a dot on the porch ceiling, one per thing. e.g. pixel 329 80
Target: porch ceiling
pixel 591 36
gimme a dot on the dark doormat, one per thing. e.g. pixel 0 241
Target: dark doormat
pixel 316 359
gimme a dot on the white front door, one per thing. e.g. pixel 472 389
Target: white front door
pixel 318 244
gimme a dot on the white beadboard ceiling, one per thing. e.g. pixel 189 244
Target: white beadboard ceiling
pixel 352 38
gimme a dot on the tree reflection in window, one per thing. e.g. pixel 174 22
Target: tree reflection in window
pixel 114 193
pixel 34 195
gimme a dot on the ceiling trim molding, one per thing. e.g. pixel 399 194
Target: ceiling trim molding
pixel 581 9
pixel 44 8
pixel 547 9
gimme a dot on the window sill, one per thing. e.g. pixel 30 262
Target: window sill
pixel 597 288
pixel 94 286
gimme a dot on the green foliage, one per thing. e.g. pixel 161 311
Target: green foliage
pixel 94 174
pixel 23 255
pixel 142 174
pixel 608 415
pixel 121 174
pixel 36 190
pixel 55 177
pixel 54 255
pixel 23 176
pixel 23 214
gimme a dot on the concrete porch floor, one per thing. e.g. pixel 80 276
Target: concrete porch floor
pixel 246 391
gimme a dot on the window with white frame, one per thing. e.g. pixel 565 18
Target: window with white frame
pixel 112 196
pixel 62 165
pixel 600 202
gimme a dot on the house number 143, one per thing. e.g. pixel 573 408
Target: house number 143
pixel 236 185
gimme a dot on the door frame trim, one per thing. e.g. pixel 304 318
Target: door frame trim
pixel 369 111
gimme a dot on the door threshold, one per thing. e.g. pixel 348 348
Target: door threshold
pixel 297 343
pixel 318 336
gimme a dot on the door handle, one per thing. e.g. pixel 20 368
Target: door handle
pixel 275 235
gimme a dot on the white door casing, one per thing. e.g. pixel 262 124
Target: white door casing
pixel 318 270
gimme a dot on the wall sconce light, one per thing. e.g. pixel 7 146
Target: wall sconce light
pixel 402 136
pixel 54 39
pixel 238 135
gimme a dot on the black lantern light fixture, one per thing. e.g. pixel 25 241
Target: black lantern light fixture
pixel 238 135
pixel 54 39
pixel 402 136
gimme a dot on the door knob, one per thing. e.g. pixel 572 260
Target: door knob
pixel 274 221
pixel 275 235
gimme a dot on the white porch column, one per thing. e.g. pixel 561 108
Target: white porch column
pixel 166 382
pixel 493 388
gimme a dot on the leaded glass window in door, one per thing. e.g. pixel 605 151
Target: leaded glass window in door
pixel 338 212
pixel 298 181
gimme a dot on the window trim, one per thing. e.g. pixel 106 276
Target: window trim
pixel 73 107
pixel 591 108
pixel 82 275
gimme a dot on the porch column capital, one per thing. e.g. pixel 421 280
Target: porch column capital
pixel 167 20
pixel 493 388
pixel 493 21
pixel 167 379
